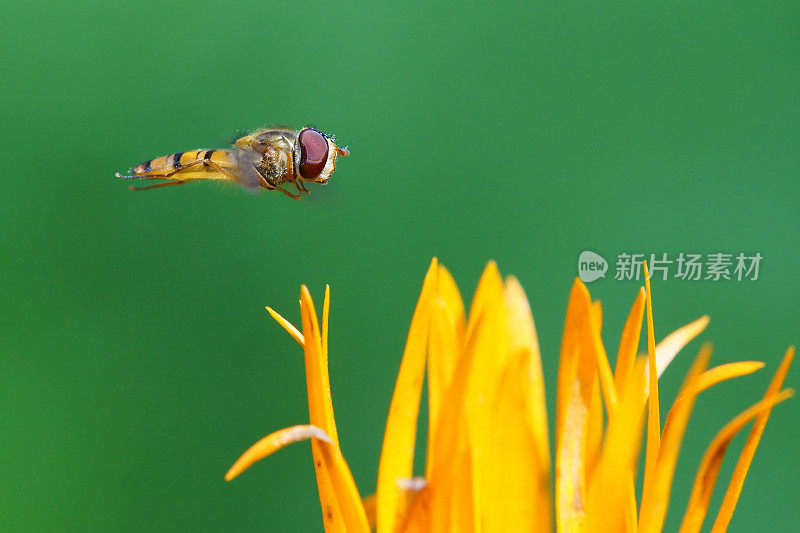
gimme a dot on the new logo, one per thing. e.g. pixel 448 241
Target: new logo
pixel 591 266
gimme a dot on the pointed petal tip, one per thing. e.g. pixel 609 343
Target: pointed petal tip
pixel 234 471
pixel 706 476
pixel 319 434
pixel 491 270
pixel 304 292
pixel 579 286
pixel 433 267
pixel 288 326
pixel 514 291
pixel 272 443
pixel 672 344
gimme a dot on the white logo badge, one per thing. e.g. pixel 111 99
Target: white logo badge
pixel 591 266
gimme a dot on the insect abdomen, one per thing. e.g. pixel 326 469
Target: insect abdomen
pixel 180 160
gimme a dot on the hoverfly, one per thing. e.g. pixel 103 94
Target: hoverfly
pixel 267 158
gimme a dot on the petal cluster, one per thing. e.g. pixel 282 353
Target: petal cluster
pixel 488 463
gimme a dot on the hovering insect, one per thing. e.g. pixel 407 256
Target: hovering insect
pixel 265 158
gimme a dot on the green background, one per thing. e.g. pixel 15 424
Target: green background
pixel 137 359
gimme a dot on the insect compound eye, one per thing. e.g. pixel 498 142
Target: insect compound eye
pixel 313 153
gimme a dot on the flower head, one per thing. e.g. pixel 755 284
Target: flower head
pixel 488 461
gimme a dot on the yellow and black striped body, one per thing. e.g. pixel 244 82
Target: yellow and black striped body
pixel 188 165
pixel 240 166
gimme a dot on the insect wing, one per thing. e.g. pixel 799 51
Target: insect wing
pixel 246 163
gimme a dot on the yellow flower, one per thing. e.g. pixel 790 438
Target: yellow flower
pixel 488 465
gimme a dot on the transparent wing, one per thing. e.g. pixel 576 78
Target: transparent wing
pixel 245 168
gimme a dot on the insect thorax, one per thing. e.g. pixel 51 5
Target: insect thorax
pixel 277 167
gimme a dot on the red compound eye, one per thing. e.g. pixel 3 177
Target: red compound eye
pixel 313 153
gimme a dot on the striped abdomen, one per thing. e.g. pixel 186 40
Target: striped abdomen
pixel 193 158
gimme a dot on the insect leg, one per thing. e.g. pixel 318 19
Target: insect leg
pixel 157 185
pixel 273 186
pixel 205 162
pixel 264 182
pixel 165 174
pixel 287 193
pixel 161 175
pixel 301 187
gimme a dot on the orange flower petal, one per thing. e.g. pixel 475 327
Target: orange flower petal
pixel 594 431
pixel 481 296
pixel 517 481
pixel 607 384
pixel 397 453
pixel 517 485
pixel 339 497
pixel 287 326
pixel 326 309
pixel 629 343
pixel 749 450
pixel 656 498
pixel 411 496
pixel 668 348
pixel 332 518
pixel 653 415
pixel 605 380
pixel 418 517
pixel 272 443
pixel 448 498
pixel 448 291
pixel 608 499
pixel 320 405
pixel 491 354
pixel 444 349
pixel 720 373
pixel 343 487
pixel 523 338
pixel 453 500
pixel 488 454
pixel 576 387
pixel 626 359
pixel 712 461
pixel 370 505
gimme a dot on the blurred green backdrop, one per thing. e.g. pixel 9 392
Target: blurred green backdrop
pixel 137 359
